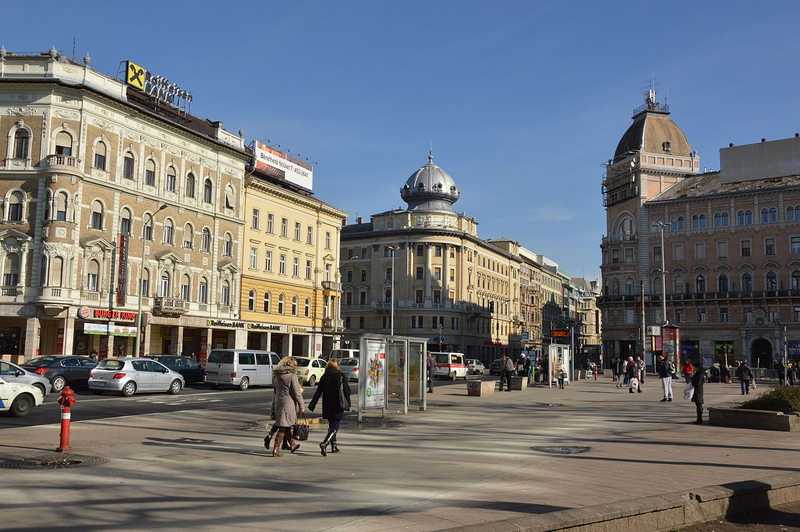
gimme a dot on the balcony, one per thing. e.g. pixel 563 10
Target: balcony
pixel 170 306
pixel 332 286
pixel 332 325
pixel 61 162
pixel 10 291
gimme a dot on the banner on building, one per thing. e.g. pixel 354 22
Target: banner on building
pixel 281 165
pixel 122 275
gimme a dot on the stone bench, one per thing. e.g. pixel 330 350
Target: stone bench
pixel 478 388
pixel 754 419
pixel 519 383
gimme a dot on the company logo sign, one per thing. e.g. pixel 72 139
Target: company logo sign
pixel 159 87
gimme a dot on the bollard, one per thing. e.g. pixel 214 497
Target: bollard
pixel 67 401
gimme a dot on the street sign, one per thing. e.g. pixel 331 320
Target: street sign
pixel 653 330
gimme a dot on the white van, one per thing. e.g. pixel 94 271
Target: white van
pixel 240 367
pixel 449 365
pixel 343 353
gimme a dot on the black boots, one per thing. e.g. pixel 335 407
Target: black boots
pixel 330 439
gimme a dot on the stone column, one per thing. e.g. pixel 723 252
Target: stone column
pixel 269 341
pixel 110 349
pixel 69 335
pixel 32 327
pixel 240 341
pixel 428 272
pixel 209 339
pixel 445 272
pixel 289 341
pixel 179 347
pixel 147 330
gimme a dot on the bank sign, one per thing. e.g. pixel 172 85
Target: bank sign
pixel 280 165
pixel 159 87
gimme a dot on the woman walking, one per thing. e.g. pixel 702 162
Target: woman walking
pixel 286 403
pixel 335 392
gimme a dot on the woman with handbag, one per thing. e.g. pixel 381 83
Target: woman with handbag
pixel 287 402
pixel 335 392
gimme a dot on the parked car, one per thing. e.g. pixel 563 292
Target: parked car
pixel 240 367
pixel 475 367
pixel 19 398
pixel 310 370
pixel 449 365
pixel 10 372
pixel 61 370
pixel 349 367
pixel 187 366
pixel 494 367
pixel 131 375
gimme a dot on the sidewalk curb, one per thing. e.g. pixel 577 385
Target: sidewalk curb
pixel 669 511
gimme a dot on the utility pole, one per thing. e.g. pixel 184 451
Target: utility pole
pixel 785 354
pixel 393 249
pixel 661 226
pixel 644 324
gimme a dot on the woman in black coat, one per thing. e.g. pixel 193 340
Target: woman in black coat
pixel 335 393
pixel 698 379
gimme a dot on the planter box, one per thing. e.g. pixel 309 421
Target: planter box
pixel 754 419
pixel 519 383
pixel 478 388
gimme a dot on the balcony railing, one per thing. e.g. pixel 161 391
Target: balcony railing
pixel 61 161
pixel 11 291
pixel 170 306
pixel 332 324
pixel 332 285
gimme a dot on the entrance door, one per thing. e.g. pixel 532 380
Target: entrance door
pixel 761 353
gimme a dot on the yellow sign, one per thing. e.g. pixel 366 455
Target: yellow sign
pixel 135 75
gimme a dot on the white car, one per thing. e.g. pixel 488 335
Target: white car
pixel 19 398
pixel 310 370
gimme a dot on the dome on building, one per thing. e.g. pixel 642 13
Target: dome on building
pixel 430 189
pixel 653 131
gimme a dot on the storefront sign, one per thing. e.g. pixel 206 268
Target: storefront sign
pixel 375 385
pixel 272 327
pixel 122 275
pixel 159 87
pixel 559 333
pixel 89 313
pixel 226 323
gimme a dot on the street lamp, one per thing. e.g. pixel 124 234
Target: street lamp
pixel 393 249
pixel 141 276
pixel 661 226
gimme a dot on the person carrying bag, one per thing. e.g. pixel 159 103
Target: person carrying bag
pixel 335 392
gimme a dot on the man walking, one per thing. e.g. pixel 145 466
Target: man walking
pixel 528 367
pixel 429 365
pixel 665 373
pixel 506 369
pixel 745 375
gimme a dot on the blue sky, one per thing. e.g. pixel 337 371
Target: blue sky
pixel 522 101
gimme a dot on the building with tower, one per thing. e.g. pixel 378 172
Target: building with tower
pixel 731 245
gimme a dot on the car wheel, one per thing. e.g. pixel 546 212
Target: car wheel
pixel 129 389
pixel 59 383
pixel 22 405
pixel 175 387
pixel 244 384
pixel 312 381
pixel 41 389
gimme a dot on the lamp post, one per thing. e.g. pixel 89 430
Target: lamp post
pixel 661 226
pixel 393 249
pixel 141 277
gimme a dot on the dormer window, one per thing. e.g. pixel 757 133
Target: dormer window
pixel 421 186
pixel 666 146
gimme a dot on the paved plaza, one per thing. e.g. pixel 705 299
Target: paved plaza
pixel 467 460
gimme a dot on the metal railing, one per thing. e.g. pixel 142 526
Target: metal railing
pixel 61 161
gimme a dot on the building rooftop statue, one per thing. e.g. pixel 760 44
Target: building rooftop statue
pixel 430 189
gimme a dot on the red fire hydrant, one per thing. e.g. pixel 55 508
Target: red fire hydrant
pixel 67 401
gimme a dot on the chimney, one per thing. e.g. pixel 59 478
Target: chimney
pixel 358 220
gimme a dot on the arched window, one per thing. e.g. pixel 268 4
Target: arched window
pixel 63 143
pixel 165 286
pixel 145 288
pixel 280 304
pixel 11 270
pixel 796 280
pixel 747 282
pixel 789 214
pixel 625 228
pixel 266 301
pixel 773 215
pixel 765 216
pixel 125 221
pixel 679 285
pixel 97 215
pixel 307 308
pixel 229 199
pixel 169 232
pixel 100 155
pixel 772 282
pixel 205 245
pixel 170 183
pixel 190 182
pixel 15 206
pixel 62 200
pixel 56 272
pixel 722 283
pixel 208 191
pixel 150 173
pixel 700 284
pixel 629 287
pixel 22 141
pixel 128 163
pixel 228 246
pixel 226 293
pixel 294 306
pixel 93 276
pixel 251 300
pixel 203 291
pixel 677 224
pixel 147 228
pixel 186 287
pixel 615 287
pixel 188 236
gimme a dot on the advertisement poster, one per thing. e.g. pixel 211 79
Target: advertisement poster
pixel 671 341
pixel 375 385
pixel 281 165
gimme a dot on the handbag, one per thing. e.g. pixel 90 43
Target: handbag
pixel 634 383
pixel 300 430
pixel 343 400
pixel 688 392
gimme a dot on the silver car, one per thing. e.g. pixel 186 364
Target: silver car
pixel 130 375
pixel 10 372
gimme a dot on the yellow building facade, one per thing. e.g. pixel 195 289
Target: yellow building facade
pixel 290 292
